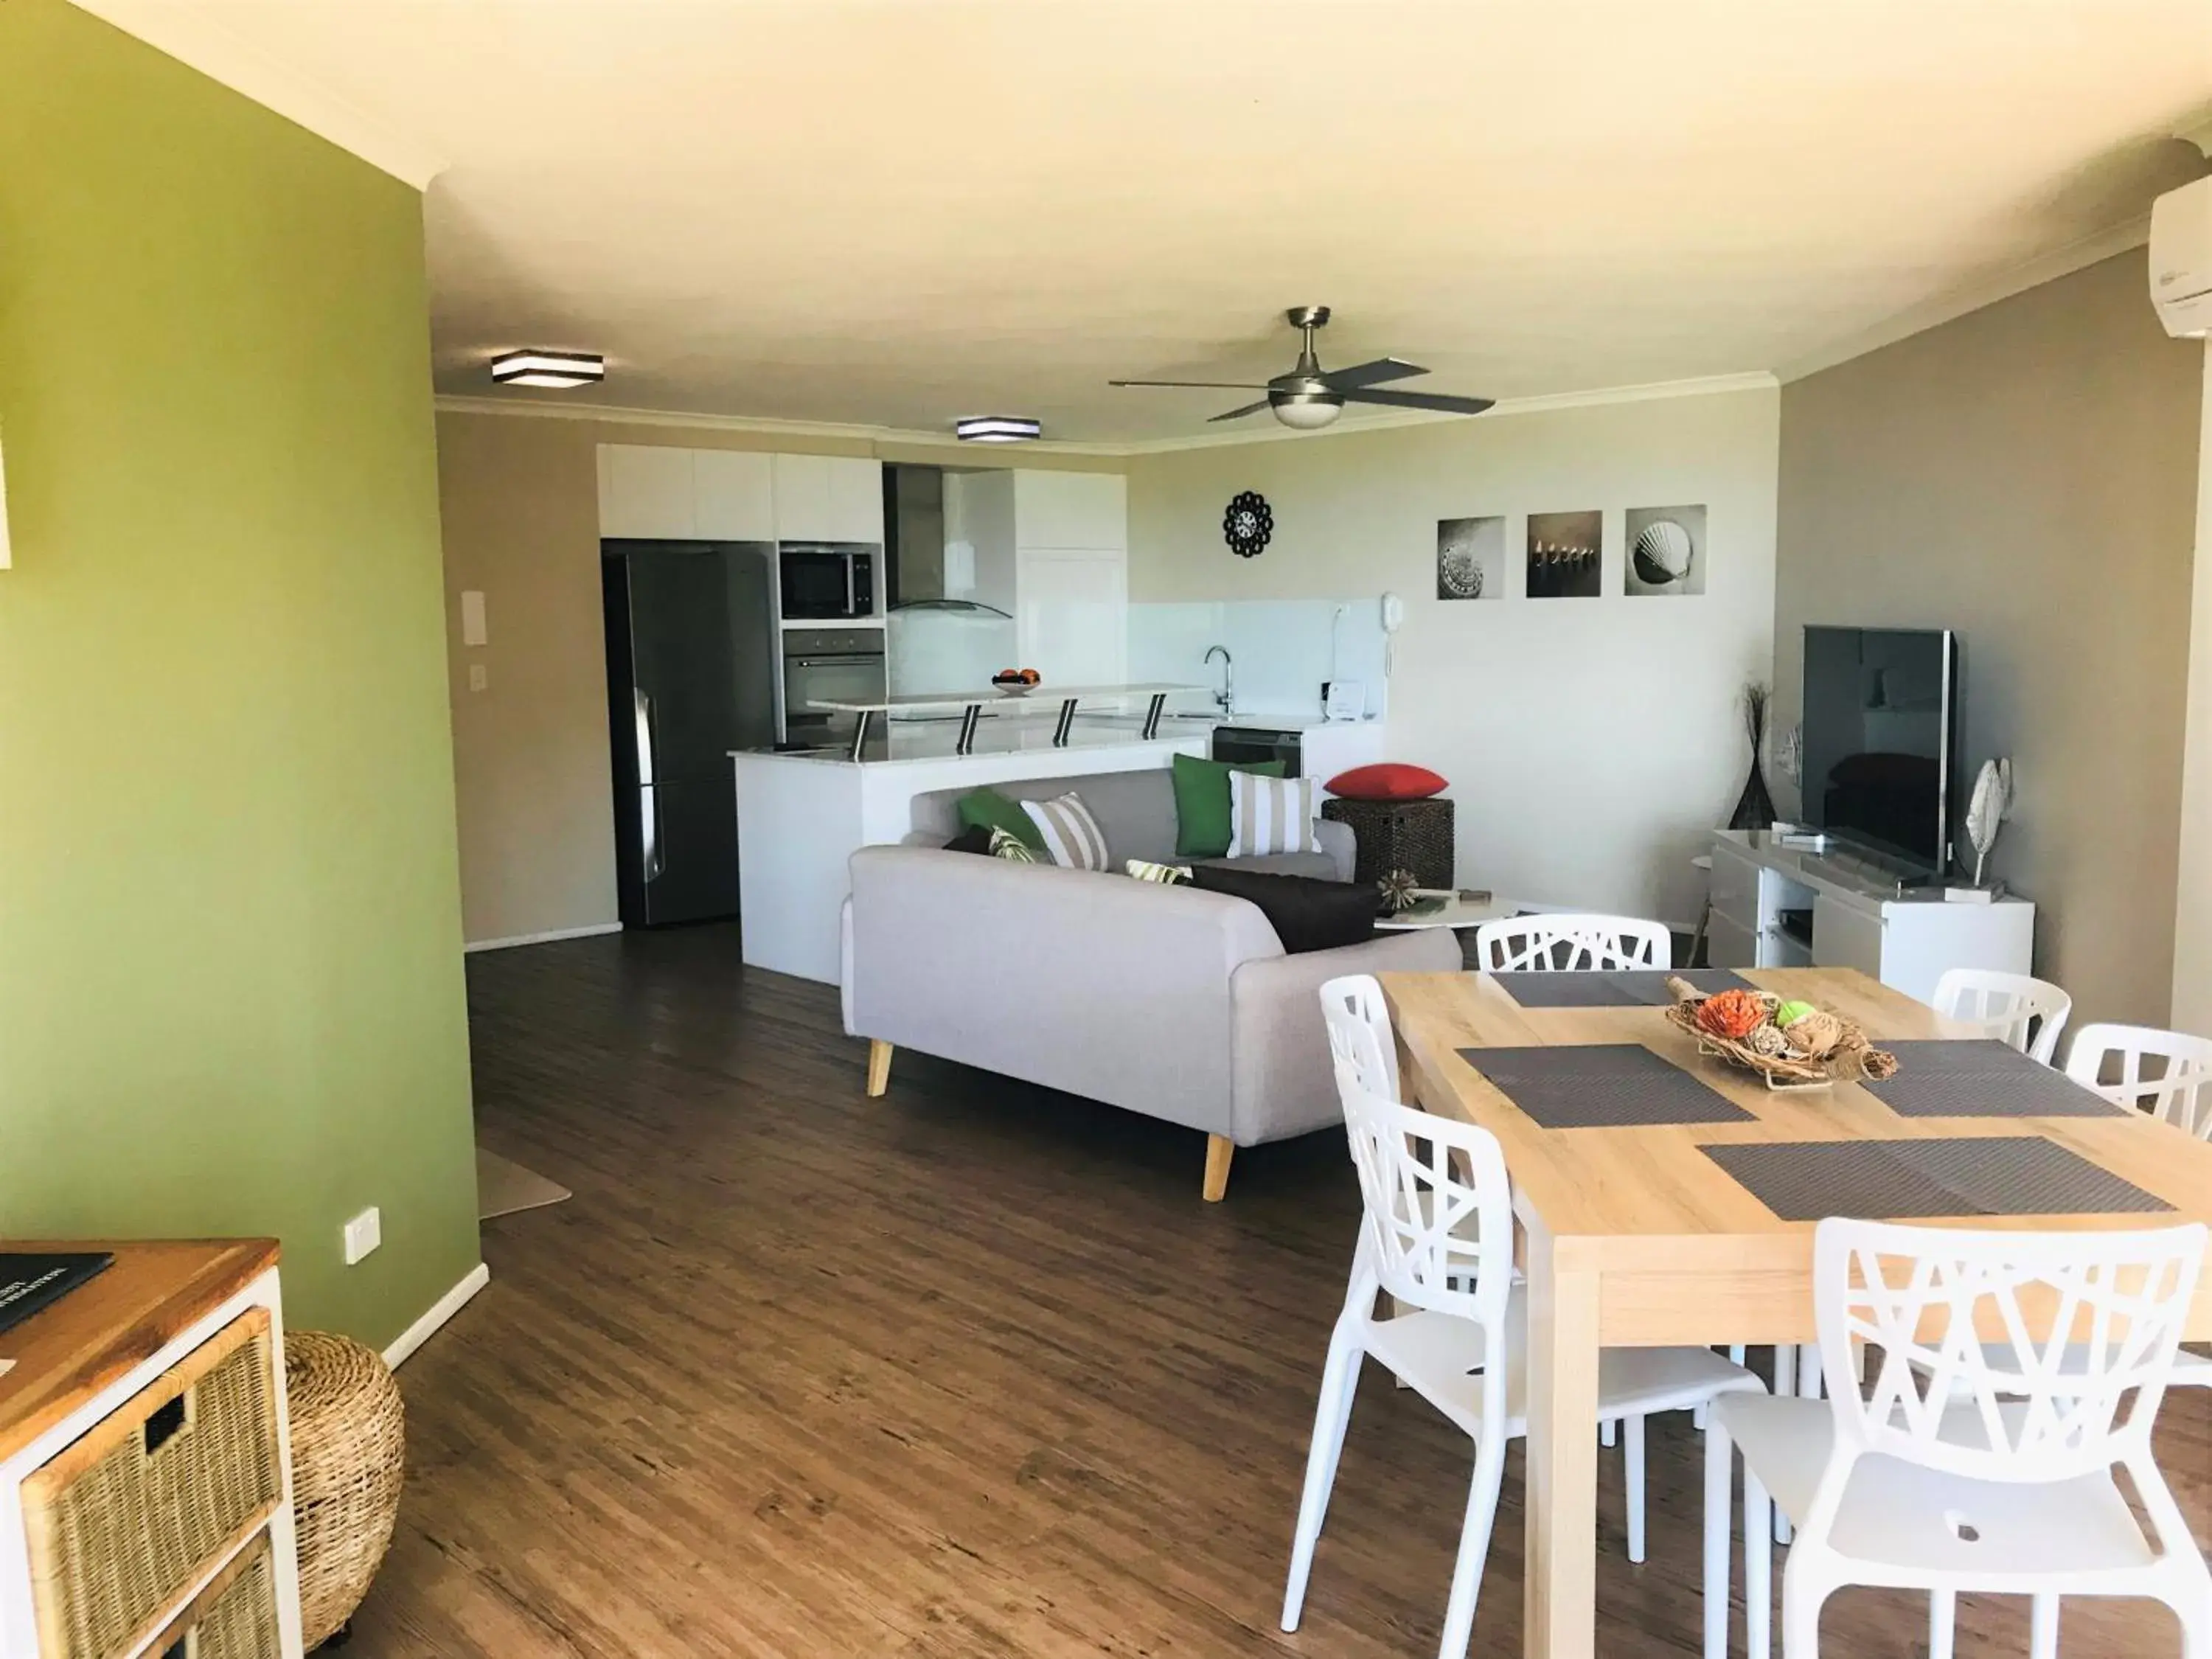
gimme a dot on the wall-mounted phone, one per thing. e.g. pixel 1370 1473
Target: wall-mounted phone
pixel 1393 618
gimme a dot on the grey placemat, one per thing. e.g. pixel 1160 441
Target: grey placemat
pixel 1920 1180
pixel 1601 1086
pixel 1981 1078
pixel 1645 987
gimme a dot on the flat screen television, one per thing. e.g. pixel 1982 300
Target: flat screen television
pixel 1880 724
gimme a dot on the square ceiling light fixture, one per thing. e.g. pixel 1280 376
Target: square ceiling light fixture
pixel 559 369
pixel 997 429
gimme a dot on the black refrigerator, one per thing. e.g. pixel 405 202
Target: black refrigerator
pixel 691 658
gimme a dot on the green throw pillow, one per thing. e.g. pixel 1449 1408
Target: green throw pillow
pixel 1201 798
pixel 993 811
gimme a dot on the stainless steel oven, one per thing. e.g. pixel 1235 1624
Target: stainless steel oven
pixel 826 581
pixel 832 664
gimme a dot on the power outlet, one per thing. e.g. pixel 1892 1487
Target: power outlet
pixel 363 1234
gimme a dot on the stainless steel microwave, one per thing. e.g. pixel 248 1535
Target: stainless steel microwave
pixel 827 581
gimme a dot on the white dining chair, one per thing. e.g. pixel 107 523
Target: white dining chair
pixel 1437 1234
pixel 2179 1091
pixel 1358 1024
pixel 1359 1033
pixel 1564 942
pixel 2016 1009
pixel 1965 1465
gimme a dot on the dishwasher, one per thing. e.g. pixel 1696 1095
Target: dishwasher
pixel 1245 745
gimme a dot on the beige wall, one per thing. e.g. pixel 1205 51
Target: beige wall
pixel 2027 474
pixel 520 500
pixel 1592 744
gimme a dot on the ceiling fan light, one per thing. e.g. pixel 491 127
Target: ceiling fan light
pixel 997 428
pixel 1308 413
pixel 558 369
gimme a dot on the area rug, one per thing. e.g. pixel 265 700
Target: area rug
pixel 504 1187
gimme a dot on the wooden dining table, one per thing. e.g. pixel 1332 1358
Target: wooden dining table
pixel 1634 1238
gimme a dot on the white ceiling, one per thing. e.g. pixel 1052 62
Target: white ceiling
pixel 892 212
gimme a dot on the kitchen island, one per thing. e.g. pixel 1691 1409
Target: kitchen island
pixel 801 815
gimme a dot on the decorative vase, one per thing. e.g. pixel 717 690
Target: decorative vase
pixel 1754 808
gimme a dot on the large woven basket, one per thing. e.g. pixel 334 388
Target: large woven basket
pixel 1398 835
pixel 349 1449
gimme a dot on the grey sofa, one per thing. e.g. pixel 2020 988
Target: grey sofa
pixel 1167 1000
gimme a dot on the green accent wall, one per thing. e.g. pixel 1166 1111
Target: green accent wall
pixel 231 996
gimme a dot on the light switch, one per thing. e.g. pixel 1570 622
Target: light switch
pixel 479 677
pixel 363 1234
pixel 473 631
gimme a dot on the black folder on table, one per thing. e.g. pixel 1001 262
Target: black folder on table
pixel 29 1283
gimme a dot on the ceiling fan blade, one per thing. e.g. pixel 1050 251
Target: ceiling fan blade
pixel 1436 400
pixel 1239 414
pixel 1222 386
pixel 1382 369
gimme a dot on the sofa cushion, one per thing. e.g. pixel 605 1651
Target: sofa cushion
pixel 1071 834
pixel 1386 780
pixel 1004 844
pixel 974 838
pixel 1272 815
pixel 1306 914
pixel 1321 866
pixel 994 811
pixel 1202 803
pixel 1168 875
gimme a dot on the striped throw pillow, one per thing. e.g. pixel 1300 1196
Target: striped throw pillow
pixel 1272 815
pixel 1071 834
pixel 1006 844
pixel 1168 875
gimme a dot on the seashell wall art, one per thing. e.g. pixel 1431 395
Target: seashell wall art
pixel 1665 551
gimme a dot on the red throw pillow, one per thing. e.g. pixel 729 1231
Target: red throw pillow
pixel 1390 781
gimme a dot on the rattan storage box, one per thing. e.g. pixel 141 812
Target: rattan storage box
pixel 1399 835
pixel 129 1518
pixel 234 1617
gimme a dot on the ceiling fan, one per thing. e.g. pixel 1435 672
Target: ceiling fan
pixel 1309 398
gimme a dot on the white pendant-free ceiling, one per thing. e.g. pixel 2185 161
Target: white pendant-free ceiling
pixel 896 212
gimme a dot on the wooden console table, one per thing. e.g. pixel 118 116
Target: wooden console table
pixel 115 1372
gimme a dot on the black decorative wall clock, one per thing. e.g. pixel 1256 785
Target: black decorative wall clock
pixel 1247 525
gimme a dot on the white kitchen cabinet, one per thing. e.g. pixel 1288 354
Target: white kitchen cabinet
pixel 734 491
pixel 856 500
pixel 1071 509
pixel 829 498
pixel 647 492
pixel 1072 623
pixel 802 498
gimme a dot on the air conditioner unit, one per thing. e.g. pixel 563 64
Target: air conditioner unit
pixel 2181 259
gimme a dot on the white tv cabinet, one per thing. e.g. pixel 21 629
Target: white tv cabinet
pixel 1780 907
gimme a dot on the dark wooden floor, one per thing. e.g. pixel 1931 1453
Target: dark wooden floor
pixel 969 1370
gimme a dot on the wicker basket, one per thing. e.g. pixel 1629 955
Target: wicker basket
pixel 1399 835
pixel 234 1617
pixel 123 1519
pixel 349 1447
pixel 1853 1058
